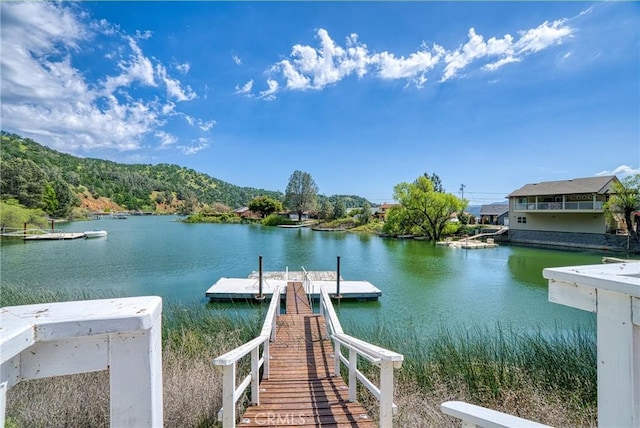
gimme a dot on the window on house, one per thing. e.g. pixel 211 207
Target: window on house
pixel 522 219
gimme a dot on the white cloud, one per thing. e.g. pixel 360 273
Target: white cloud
pixel 505 49
pixel 166 139
pixel 309 67
pixel 621 171
pixel 137 68
pixel 270 94
pixel 206 126
pixel 196 146
pixel 41 26
pixel 194 122
pixel 45 97
pixel 503 61
pixel 174 88
pixel 460 58
pixel 245 89
pixel 143 35
pixel 183 68
pixel 295 79
pixel 190 120
pixel 236 59
pixel 168 108
pixel 413 67
pixel 543 36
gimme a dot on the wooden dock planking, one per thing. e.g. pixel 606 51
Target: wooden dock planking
pixel 301 390
pixel 297 300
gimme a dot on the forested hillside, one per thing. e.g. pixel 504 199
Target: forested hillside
pixel 39 177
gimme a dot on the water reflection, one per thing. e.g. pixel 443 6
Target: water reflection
pixel 526 264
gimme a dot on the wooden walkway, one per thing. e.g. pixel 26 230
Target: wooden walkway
pixel 301 390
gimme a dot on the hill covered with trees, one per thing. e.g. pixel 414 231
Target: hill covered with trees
pixel 39 177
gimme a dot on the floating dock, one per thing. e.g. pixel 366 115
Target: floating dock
pixel 234 289
pixel 56 236
pixel 468 245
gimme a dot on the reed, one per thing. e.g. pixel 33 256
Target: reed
pixel 547 375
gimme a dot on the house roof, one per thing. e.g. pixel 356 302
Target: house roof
pixel 494 209
pixel 564 187
pixel 387 206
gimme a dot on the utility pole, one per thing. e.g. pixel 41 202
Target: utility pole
pixel 462 186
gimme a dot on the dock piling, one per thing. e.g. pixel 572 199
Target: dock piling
pixel 260 296
pixel 338 296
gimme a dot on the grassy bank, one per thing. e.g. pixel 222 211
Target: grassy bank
pixel 544 376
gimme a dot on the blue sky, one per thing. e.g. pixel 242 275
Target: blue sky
pixel 362 95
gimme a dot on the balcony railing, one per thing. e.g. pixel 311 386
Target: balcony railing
pixel 559 206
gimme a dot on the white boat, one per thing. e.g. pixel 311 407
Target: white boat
pixel 95 233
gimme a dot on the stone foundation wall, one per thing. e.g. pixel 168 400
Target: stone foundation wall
pixel 591 241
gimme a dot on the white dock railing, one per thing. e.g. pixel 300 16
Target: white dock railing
pixel 473 416
pixel 228 361
pixel 57 339
pixel 386 360
pixel 308 286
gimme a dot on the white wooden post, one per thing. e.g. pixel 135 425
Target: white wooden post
pixel 336 358
pixel 353 367
pixel 228 395
pixel 135 375
pixel 273 328
pixel 617 370
pixel 386 394
pixel 613 292
pixel 266 354
pixel 255 378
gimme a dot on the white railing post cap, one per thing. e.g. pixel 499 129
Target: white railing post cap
pixel 89 317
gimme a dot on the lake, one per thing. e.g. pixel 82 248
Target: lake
pixel 422 285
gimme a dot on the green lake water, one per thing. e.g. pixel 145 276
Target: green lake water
pixel 422 285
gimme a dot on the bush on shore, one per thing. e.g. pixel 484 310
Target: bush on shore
pixel 276 220
pixel 217 218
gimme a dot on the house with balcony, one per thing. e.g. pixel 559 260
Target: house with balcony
pixel 566 213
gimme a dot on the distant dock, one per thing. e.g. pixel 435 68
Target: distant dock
pixel 468 245
pixel 56 236
pixel 42 235
pixel 238 289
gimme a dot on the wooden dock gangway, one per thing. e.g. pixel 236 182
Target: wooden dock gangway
pixel 301 360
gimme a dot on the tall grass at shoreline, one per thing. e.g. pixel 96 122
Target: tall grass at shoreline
pixel 544 375
pixel 547 375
